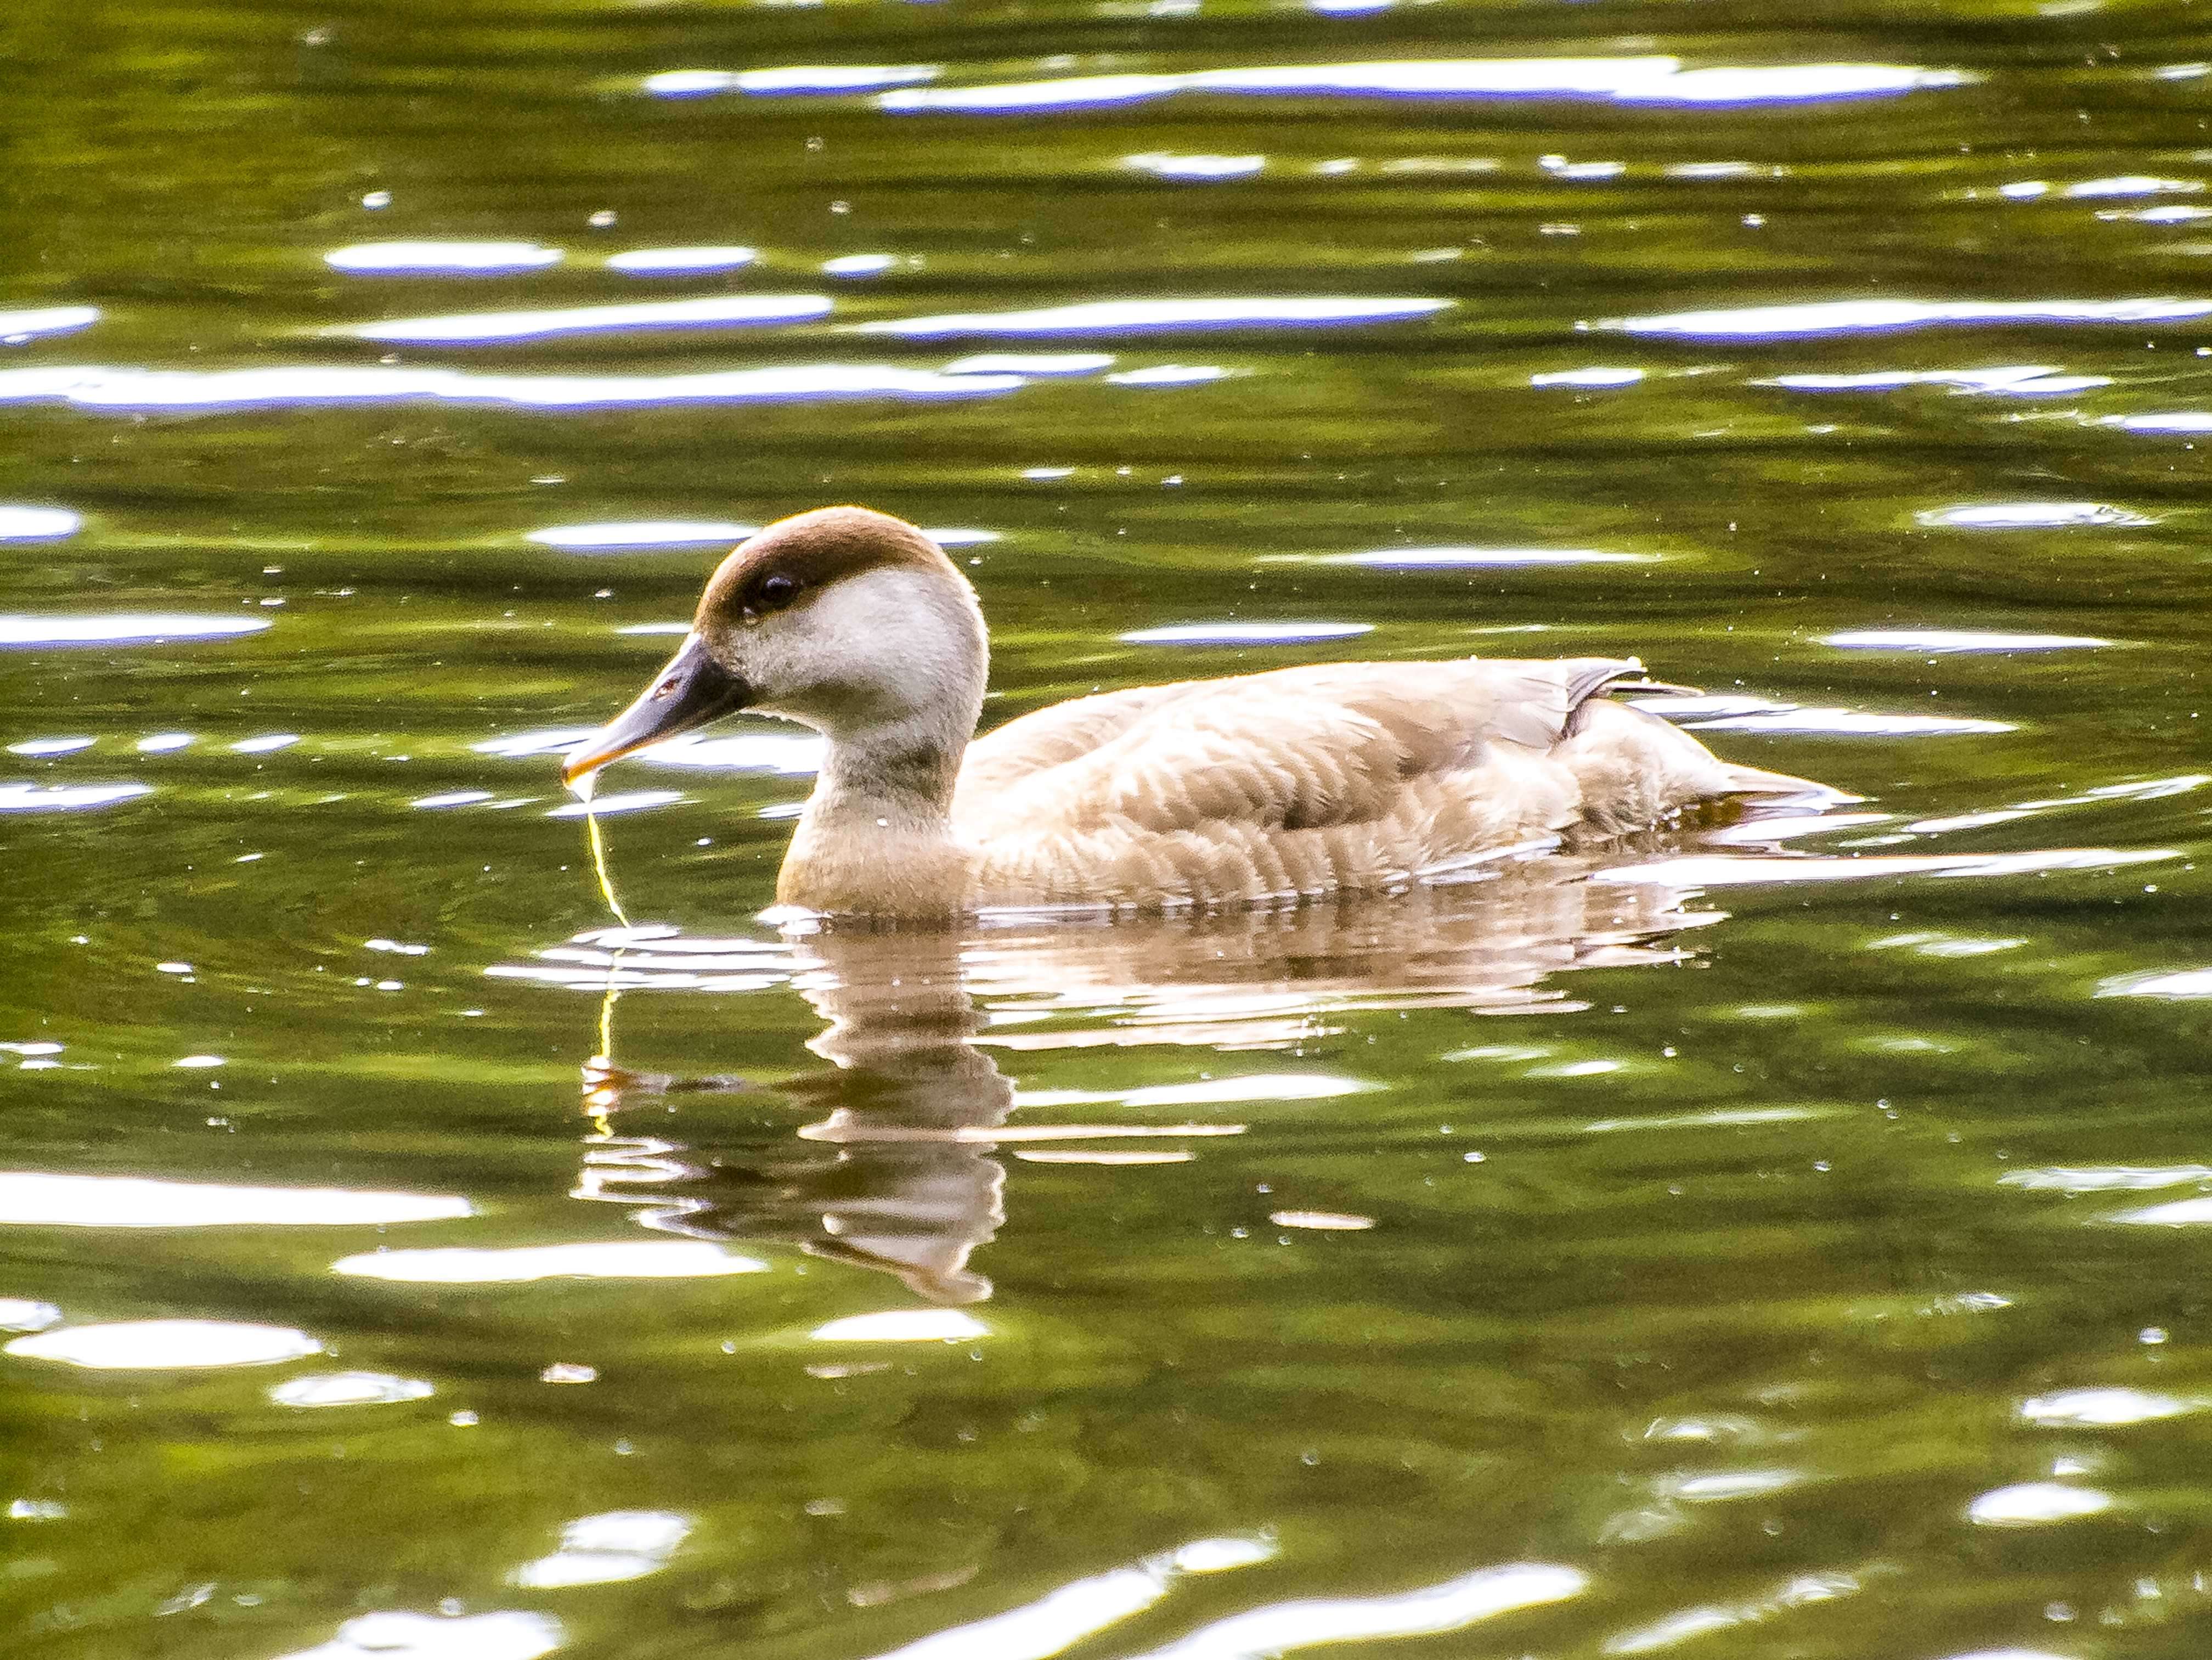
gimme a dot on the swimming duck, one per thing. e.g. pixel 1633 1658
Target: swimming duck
pixel 1331 778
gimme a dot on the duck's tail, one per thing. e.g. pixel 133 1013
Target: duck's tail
pixel 1774 785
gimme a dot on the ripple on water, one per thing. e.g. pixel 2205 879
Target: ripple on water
pixel 67 798
pixel 31 1198
pixel 18 326
pixel 430 258
pixel 348 1389
pixel 2033 515
pixel 1245 634
pixel 1636 80
pixel 620 535
pixel 2036 1503
pixel 1456 558
pixel 1133 316
pixel 491 327
pixel 123 628
pixel 600 1550
pixel 21 1314
pixel 398 1635
pixel 304 386
pixel 2026 380
pixel 38 747
pixel 166 1344
pixel 1854 316
pixel 1429 1610
pixel 621 1259
pixel 1941 641
pixel 26 524
pixel 675 262
pixel 794 78
pixel 2103 1409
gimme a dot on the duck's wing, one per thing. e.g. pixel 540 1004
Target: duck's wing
pixel 1051 737
pixel 1332 745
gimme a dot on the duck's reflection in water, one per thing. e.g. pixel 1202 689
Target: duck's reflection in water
pixel 899 1171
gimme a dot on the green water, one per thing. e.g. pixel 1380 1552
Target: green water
pixel 1780 1247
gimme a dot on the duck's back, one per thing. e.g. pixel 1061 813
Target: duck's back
pixel 1306 780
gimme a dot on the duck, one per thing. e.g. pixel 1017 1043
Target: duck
pixel 1283 787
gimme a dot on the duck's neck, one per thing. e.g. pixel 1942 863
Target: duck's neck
pixel 876 835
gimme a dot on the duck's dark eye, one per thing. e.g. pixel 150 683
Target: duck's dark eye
pixel 776 591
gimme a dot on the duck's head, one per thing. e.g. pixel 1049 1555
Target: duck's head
pixel 848 620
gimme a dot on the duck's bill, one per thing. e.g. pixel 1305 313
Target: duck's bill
pixel 690 690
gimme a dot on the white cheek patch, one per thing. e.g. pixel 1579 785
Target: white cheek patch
pixel 885 645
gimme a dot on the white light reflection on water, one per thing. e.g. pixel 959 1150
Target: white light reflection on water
pixel 2010 381
pixel 769 751
pixel 1165 165
pixel 18 326
pixel 1845 723
pixel 1801 1592
pixel 1592 378
pixel 38 1199
pixel 1130 316
pixel 22 524
pixel 123 628
pixel 620 1259
pixel 1630 80
pixel 2179 421
pixel 265 742
pixel 349 1388
pixel 622 536
pixel 1451 1606
pixel 627 801
pixel 1850 316
pixel 1744 870
pixel 796 755
pixel 606 1549
pixel 506 1634
pixel 656 262
pixel 1940 641
pixel 617 536
pixel 128 389
pixel 166 1344
pixel 1212 1092
pixel 2175 1214
pixel 1245 634
pixel 2034 1503
pixel 2031 515
pixel 2186 983
pixel 497 326
pixel 795 78
pixel 2110 1178
pixel 40 748
pixel 1084 1608
pixel 1032 362
pixel 1170 374
pixel 21 1314
pixel 67 798
pixel 2105 1409
pixel 1451 558
pixel 859 265
pixel 440 258
pixel 2134 183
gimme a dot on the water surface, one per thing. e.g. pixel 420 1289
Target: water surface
pixel 1784 1240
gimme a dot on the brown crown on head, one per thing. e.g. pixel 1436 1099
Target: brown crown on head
pixel 795 558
